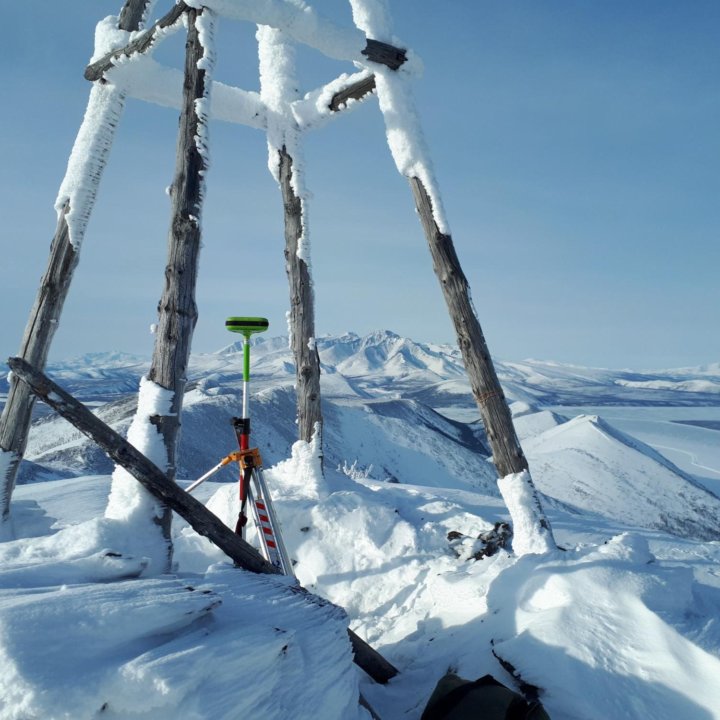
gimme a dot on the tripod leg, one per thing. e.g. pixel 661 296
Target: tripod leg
pixel 244 493
pixel 268 526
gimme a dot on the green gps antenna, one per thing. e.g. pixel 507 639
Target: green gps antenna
pixel 246 326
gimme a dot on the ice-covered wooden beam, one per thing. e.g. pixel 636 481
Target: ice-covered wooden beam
pixel 141 44
pixel 323 103
pixel 303 26
pixel 355 91
pixel 150 81
pixel 156 482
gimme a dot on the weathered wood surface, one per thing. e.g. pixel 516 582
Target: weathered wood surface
pixel 302 310
pixel 355 91
pixel 132 14
pixel 45 317
pixel 385 54
pixel 142 43
pixel 508 455
pixel 157 483
pixel 177 310
pixel 35 346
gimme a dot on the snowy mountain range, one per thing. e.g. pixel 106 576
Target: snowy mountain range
pixel 621 622
pixel 398 411
pixel 386 362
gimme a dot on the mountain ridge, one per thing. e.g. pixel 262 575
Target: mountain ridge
pixel 395 411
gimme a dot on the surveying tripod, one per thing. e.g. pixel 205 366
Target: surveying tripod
pixel 252 487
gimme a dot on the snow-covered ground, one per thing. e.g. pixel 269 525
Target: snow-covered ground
pixel 622 622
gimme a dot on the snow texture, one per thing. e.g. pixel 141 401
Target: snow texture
pixel 621 624
pixel 129 502
pixel 161 648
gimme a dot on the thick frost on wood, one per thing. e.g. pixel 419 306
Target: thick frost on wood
pixel 402 125
pixel 140 44
pixel 346 92
pixel 150 81
pixel 205 24
pixel 297 19
pixel 9 461
pixel 93 142
pixel 88 159
pixel 278 90
pixel 531 530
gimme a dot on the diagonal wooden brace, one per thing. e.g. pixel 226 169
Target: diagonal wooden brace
pixel 142 43
pixel 154 480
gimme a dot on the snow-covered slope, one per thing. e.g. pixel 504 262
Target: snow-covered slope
pixel 622 623
pixel 590 465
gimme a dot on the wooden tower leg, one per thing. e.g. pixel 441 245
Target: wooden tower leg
pixel 64 256
pixel 278 89
pixel 177 310
pixel 412 160
pixel 302 311
pixel 508 456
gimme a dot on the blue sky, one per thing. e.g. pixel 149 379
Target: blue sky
pixel 576 147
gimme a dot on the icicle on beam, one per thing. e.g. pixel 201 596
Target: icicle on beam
pixel 411 157
pixel 75 203
pixel 157 483
pixel 278 90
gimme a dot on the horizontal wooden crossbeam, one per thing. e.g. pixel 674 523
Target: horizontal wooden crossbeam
pixel 375 51
pixel 356 91
pixel 154 481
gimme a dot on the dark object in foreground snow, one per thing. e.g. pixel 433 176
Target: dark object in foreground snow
pixel 457 699
pixel 487 543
